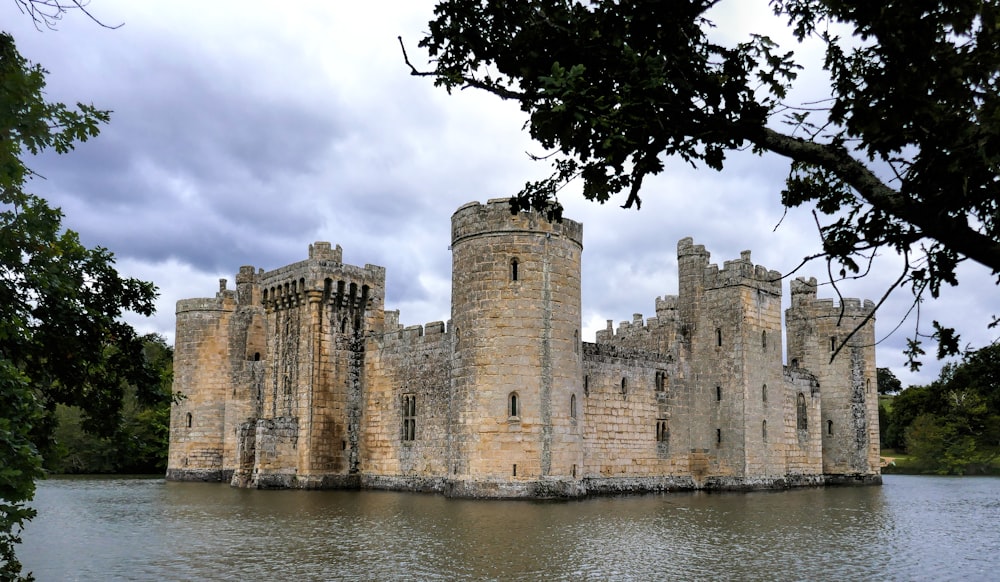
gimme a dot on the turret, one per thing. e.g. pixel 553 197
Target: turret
pixel 203 379
pixel 836 342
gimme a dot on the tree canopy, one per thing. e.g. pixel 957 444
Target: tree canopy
pixel 952 425
pixel 888 383
pixel 903 156
pixel 62 336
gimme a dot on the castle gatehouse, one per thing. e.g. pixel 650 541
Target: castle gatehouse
pixel 301 378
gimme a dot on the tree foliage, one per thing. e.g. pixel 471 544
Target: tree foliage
pixel 62 337
pixel 953 425
pixel 903 156
pixel 888 383
pixel 139 442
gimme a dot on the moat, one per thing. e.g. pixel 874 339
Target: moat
pixel 912 528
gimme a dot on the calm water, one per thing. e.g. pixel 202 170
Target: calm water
pixel 912 528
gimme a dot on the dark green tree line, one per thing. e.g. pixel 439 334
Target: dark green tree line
pixel 62 337
pixel 952 425
pixel 137 445
pixel 903 156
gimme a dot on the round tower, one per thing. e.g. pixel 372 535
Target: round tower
pixel 202 375
pixel 517 419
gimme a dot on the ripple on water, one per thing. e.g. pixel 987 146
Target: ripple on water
pixel 912 528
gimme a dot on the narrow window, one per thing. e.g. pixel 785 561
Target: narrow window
pixel 718 393
pixel 763 430
pixel 515 469
pixel 718 336
pixel 868 386
pixel 763 393
pixel 802 421
pixel 576 341
pixel 795 362
pixel 574 470
pixel 409 427
pixel 763 340
pixel 572 406
pixel 661 381
pixel 513 404
pixel 189 420
pixel 513 269
pixel 256 356
pixel 586 385
pixel 718 436
pixel 624 387
pixel 662 432
pixel 829 427
pixel 833 343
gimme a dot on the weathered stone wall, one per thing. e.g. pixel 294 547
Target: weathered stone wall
pixel 801 427
pixel 411 363
pixel 624 400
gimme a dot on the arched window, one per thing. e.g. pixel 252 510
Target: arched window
pixel 513 269
pixel 802 420
pixel 829 427
pixel 763 393
pixel 189 420
pixel 763 430
pixel 868 386
pixel 718 336
pixel 795 362
pixel 256 356
pixel 513 406
pixel 572 405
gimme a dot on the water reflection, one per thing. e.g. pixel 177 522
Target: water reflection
pixel 911 528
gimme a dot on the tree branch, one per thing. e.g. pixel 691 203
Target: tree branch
pixel 953 232
pixel 49 12
pixel 502 92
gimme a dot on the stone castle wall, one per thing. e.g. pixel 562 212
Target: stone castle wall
pixel 302 378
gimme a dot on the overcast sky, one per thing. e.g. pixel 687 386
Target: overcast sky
pixel 243 131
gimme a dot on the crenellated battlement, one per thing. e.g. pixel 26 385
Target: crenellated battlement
pixel 627 329
pixel 742 271
pixel 416 335
pixel 224 301
pixel 323 275
pixel 804 296
pixel 495 218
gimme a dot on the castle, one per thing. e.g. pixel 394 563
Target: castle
pixel 301 378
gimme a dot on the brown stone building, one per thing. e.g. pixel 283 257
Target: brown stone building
pixel 301 378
